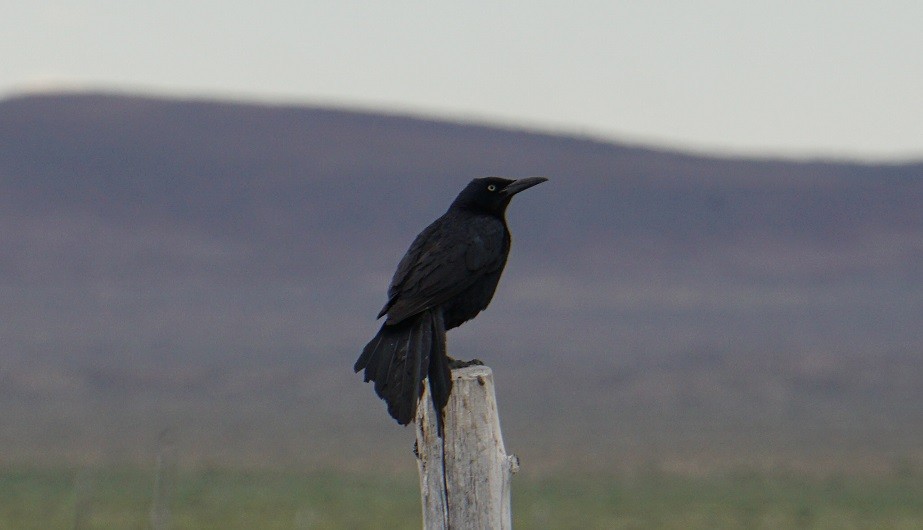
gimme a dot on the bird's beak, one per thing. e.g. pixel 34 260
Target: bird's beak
pixel 522 184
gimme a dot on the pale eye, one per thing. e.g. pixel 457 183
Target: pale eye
pixel 491 188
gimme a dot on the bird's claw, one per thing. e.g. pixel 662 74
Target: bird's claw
pixel 455 364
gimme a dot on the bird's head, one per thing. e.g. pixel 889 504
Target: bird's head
pixel 493 194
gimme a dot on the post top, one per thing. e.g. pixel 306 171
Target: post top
pixel 472 372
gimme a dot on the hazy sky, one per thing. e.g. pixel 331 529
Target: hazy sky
pixel 799 78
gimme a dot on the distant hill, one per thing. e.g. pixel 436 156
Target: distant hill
pixel 214 268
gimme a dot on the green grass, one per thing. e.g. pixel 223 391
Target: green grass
pixel 733 500
pixel 206 499
pixel 110 498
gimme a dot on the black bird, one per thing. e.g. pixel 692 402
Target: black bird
pixel 446 278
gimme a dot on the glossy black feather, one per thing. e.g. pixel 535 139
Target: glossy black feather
pixel 448 276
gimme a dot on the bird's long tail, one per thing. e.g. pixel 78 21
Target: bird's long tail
pixel 401 356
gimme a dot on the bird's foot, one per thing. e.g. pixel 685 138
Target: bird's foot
pixel 455 364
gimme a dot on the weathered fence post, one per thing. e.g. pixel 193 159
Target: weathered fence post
pixel 465 477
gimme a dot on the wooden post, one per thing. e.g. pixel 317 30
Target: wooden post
pixel 465 478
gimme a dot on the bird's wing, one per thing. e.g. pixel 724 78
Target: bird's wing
pixel 444 260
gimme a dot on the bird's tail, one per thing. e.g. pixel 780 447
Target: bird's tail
pixel 401 356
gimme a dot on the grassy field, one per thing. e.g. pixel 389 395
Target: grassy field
pixel 224 499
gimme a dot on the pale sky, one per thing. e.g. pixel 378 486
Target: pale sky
pixel 826 78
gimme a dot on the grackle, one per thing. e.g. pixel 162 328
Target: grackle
pixel 447 277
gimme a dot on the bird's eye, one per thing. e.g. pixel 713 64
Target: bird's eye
pixel 491 188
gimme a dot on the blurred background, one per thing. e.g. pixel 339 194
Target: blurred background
pixel 710 317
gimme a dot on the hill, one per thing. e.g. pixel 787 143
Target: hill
pixel 214 268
